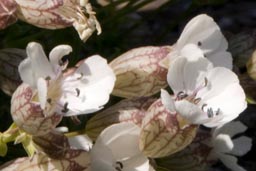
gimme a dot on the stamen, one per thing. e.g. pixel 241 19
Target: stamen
pixel 78 92
pixel 181 95
pixel 205 81
pixel 210 112
pixel 119 166
pixel 217 112
pixel 199 43
pixel 47 78
pixel 61 62
pixel 79 78
pixel 65 108
pixel 197 100
pixel 49 100
pixel 203 106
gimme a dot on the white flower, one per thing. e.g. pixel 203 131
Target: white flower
pixel 204 94
pixel 205 35
pixel 225 149
pixel 117 149
pixel 84 90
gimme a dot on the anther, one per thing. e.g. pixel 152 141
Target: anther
pixel 49 100
pixel 65 108
pixel 217 112
pixel 210 112
pixel 181 95
pixel 47 78
pixel 120 164
pixel 81 76
pixel 203 106
pixel 199 43
pixel 197 100
pixel 77 92
pixel 205 81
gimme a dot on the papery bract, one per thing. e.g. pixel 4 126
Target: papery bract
pixel 51 14
pixel 138 72
pixel 127 110
pixel 77 160
pixel 54 144
pixel 28 115
pixel 163 132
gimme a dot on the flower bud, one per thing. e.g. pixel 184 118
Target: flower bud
pixel 28 115
pixel 128 110
pixel 139 73
pixel 163 132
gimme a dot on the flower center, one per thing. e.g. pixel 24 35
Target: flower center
pixel 196 100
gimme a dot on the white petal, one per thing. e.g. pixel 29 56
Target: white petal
pixel 241 146
pixel 138 163
pixel 231 162
pixel 122 139
pixel 221 59
pixel 57 53
pixel 223 143
pixel 203 29
pixel 190 111
pixel 219 79
pixel 101 158
pixel 39 63
pixel 191 52
pixel 231 103
pixel 42 92
pixel 95 86
pixel 26 73
pixel 231 128
pixel 167 100
pixel 82 142
pixel 195 73
pixel 175 75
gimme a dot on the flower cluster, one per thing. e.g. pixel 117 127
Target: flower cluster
pixel 141 132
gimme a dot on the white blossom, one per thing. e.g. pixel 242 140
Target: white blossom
pixel 203 94
pixel 117 149
pixel 225 148
pixel 205 36
pixel 84 90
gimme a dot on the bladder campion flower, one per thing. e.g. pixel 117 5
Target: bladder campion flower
pixel 47 91
pixel 203 94
pixel 205 36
